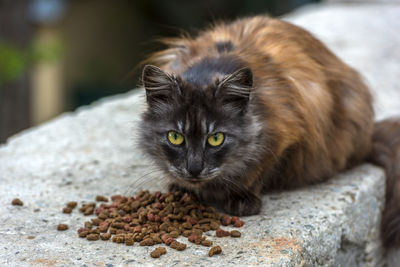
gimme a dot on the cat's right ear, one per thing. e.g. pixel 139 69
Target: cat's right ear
pixel 158 84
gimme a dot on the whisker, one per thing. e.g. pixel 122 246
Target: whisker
pixel 146 178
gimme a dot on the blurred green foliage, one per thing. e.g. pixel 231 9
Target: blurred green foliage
pixel 50 51
pixel 13 62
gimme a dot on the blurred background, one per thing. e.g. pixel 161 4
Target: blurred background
pixel 56 55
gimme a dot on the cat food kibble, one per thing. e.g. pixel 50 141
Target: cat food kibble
pixel 129 241
pixel 238 223
pixel 214 250
pixel 222 233
pixel 105 236
pixel 235 233
pixel 17 202
pixel 92 237
pixel 158 252
pixel 225 220
pixel 177 245
pixel 101 198
pixel 67 210
pixel 207 243
pixel 87 209
pixel 154 218
pixel 62 227
pixel 72 204
pixel 147 242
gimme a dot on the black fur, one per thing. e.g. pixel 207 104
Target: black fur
pixel 224 47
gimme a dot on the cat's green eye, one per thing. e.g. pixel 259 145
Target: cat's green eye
pixel 175 138
pixel 216 139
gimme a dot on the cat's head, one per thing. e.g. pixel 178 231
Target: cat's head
pixel 199 128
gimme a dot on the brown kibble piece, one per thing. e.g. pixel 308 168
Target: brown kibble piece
pixel 225 220
pixel 214 250
pixel 165 237
pixel 191 220
pixel 155 254
pixel 187 225
pixel 194 238
pixel 88 211
pixel 105 236
pixel 178 245
pixel 235 233
pixel 214 225
pixel 83 232
pixel 72 204
pixel 119 238
pixel 103 226
pixel 238 223
pixel 67 210
pixel 92 237
pixel 88 225
pixel 118 225
pixel 62 227
pixel 147 242
pixel 174 234
pixel 129 241
pixel 162 250
pixel 221 233
pixel 197 231
pixel 207 243
pixel 101 198
pixel 103 215
pixel 157 239
pixel 158 252
pixel 234 219
pixel 187 233
pixel 17 202
pixel 168 241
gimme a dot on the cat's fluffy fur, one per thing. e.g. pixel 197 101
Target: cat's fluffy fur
pixel 292 112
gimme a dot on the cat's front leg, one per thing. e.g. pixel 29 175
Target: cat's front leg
pixel 244 204
pixel 174 187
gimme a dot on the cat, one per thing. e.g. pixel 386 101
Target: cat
pixel 259 104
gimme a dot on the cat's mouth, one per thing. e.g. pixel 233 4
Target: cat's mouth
pixel 194 182
pixel 198 181
pixel 187 180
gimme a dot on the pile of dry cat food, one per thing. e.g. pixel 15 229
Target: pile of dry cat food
pixel 154 218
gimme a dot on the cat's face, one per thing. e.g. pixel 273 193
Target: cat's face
pixel 198 134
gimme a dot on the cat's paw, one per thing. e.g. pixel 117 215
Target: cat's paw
pixel 243 206
pixel 173 187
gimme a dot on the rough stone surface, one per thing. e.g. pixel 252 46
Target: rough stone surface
pixel 366 37
pixel 92 151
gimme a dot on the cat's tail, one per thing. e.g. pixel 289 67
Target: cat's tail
pixel 385 152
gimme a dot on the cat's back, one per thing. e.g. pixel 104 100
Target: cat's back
pixel 315 109
pixel 252 40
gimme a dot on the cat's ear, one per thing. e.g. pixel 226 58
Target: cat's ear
pixel 158 84
pixel 234 90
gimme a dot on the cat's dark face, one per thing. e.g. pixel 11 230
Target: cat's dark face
pixel 197 131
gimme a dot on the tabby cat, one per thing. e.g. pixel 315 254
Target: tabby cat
pixel 259 104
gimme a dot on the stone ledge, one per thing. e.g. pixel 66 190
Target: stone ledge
pixel 91 151
pixel 80 155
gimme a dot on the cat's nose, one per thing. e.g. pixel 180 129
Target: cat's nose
pixel 195 169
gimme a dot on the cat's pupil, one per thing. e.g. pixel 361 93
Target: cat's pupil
pixel 175 136
pixel 215 137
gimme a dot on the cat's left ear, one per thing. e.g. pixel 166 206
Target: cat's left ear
pixel 234 90
pixel 158 84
